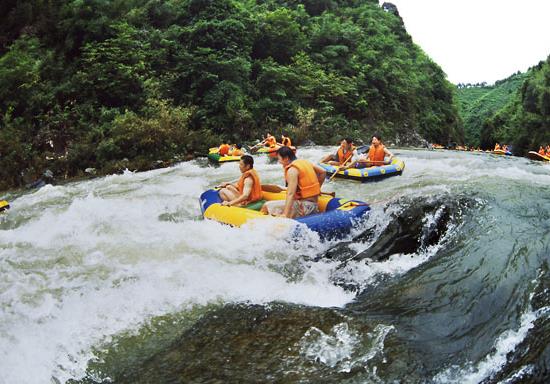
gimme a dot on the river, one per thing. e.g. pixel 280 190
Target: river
pixel 119 279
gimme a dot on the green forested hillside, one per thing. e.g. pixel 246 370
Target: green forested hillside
pixel 124 83
pixel 525 120
pixel 480 102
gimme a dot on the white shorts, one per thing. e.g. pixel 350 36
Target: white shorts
pixel 299 207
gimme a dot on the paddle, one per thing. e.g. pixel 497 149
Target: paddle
pixel 276 189
pixel 338 170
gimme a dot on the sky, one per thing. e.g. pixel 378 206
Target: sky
pixel 479 40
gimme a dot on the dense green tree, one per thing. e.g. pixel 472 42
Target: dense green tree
pixel 112 84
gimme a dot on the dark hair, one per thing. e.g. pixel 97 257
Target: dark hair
pixel 348 140
pixel 286 153
pixel 239 146
pixel 377 135
pixel 248 160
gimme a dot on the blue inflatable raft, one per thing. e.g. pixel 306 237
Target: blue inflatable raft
pixel 335 219
pixel 395 168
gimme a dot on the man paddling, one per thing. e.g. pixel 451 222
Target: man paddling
pixel 304 180
pixel 344 153
pixel 375 157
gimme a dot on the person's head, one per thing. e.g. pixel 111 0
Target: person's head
pixel 285 156
pixel 238 146
pixel 246 163
pixel 346 143
pixel 376 139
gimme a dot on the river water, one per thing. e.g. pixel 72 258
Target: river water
pixel 118 279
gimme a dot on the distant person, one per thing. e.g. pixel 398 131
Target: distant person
pixel 497 147
pixel 236 151
pixel 270 140
pixel 375 156
pixel 343 154
pixel 304 180
pixel 247 189
pixel 223 149
pixel 285 141
pixel 542 152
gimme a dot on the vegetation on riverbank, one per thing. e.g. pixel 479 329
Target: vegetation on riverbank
pixel 477 103
pixel 128 83
pixel 515 111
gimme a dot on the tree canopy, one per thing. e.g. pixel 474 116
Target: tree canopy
pixel 108 83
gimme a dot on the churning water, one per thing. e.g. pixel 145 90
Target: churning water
pixel 118 279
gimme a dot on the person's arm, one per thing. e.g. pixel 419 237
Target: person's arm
pixel 327 158
pixel 321 174
pixel 387 152
pixel 292 178
pixel 244 196
pixel 225 184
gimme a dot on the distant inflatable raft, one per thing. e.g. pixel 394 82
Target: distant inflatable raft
pixel 214 156
pixel 395 168
pixel 336 217
pixel 501 152
pixel 536 156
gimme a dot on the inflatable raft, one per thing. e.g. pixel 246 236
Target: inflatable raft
pixel 395 168
pixel 271 152
pixel 536 156
pixel 215 156
pixel 501 152
pixel 4 205
pixel 336 217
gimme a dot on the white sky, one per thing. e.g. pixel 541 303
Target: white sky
pixel 479 40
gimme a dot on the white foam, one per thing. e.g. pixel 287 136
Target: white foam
pixel 88 260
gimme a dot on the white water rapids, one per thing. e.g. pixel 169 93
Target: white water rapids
pixel 84 261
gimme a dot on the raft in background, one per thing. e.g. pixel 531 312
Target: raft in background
pixel 4 205
pixel 536 156
pixel 395 168
pixel 215 156
pixel 271 152
pixel 336 217
pixel 501 152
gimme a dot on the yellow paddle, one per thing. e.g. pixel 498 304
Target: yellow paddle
pixel 338 170
pixel 4 205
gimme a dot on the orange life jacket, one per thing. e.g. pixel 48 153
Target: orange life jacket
pixel 308 184
pixel 497 147
pixel 342 158
pixel 256 192
pixel 236 152
pixel 223 149
pixel 376 154
pixel 286 141
pixel 271 141
pixel 542 152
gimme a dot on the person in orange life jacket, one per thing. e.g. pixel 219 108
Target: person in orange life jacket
pixel 285 140
pixel 247 189
pixel 343 154
pixel 223 149
pixel 497 147
pixel 304 180
pixel 236 151
pixel 542 152
pixel 269 140
pixel 375 156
